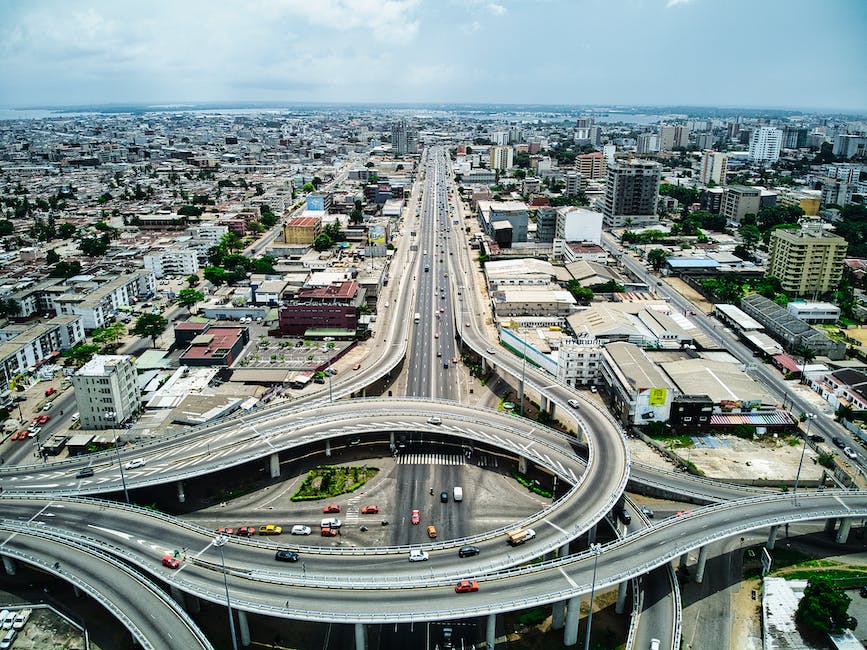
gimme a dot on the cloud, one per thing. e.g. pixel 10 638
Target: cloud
pixel 674 3
pixel 497 10
pixel 471 28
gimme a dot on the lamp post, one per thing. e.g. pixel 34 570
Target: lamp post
pixel 220 541
pixel 810 417
pixel 597 551
pixel 523 373
pixel 119 463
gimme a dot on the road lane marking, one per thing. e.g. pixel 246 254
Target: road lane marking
pixel 552 524
pixel 837 499
pixel 571 582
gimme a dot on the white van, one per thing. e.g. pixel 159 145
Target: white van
pixel 331 522
pixel 458 493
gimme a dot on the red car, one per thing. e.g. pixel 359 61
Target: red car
pixel 226 531
pixel 171 562
pixel 246 531
pixel 328 532
pixel 44 418
pixel 331 507
pixel 416 517
pixel 465 586
pixel 369 510
pixel 20 435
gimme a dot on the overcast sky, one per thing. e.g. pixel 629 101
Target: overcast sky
pixel 769 53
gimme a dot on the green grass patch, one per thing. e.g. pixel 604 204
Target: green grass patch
pixel 675 442
pixel 327 481
pixel 530 485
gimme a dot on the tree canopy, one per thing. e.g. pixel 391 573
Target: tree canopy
pixel 824 607
pixel 189 297
pixel 150 325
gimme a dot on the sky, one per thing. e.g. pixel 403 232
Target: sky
pixel 739 53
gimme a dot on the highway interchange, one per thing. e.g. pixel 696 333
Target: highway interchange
pixel 333 585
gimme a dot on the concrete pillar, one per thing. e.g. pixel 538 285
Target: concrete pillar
pixel 194 605
pixel 573 610
pixel 563 551
pixel 522 465
pixel 360 636
pixel 552 408
pixel 275 465
pixel 76 591
pixel 591 534
pixel 243 628
pixel 520 391
pixel 558 615
pixel 684 560
pixel 621 597
pixel 702 560
pixel 181 496
pixel 830 525
pixel 543 403
pixel 391 439
pixel 9 566
pixel 491 632
pixel 328 447
pixel 772 538
pixel 178 596
pixel 843 533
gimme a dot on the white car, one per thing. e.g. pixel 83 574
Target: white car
pixel 300 530
pixel 574 403
pixel 418 555
pixel 491 351
pixel 850 452
pixel 434 420
pixel 138 462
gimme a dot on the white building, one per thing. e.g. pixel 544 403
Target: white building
pixel 765 144
pixel 25 347
pixel 714 165
pixel 578 224
pixel 106 391
pixel 97 299
pixel 501 157
pixel 172 261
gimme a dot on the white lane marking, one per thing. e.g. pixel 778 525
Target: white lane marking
pixel 552 524
pixel 568 579
pixel 837 499
pixel 112 531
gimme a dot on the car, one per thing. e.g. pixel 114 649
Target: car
pixel 417 555
pixel 415 517
pixel 76 416
pixel 226 530
pixel 593 389
pixel 21 618
pixel 574 403
pixel 647 512
pixel 370 510
pixel 466 324
pixel 445 364
pixel 838 442
pixel 19 435
pixel 850 452
pixel 439 353
pixel 863 591
pixel 246 531
pixel 468 551
pixel 624 516
pixel 682 513
pixel 466 586
pixel 327 531
pixel 43 419
pixel 51 390
pixel 8 639
pixel 436 335
pixel 356 366
pixel 654 644
pixel 455 360
pixel 816 438
pixel 286 556
pixel 434 420
pixel 331 507
pixel 491 351
pixel 137 462
pixel 270 529
pixel 84 472
pixel 432 532
pixel 444 497
pixel 48 406
pixel 298 529
pixel 171 562
pixel 442 310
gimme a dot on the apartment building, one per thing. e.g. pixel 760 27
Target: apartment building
pixel 631 193
pixel 714 165
pixel 591 165
pixel 765 145
pixel 172 261
pixel 97 298
pixel 739 201
pixel 26 347
pixel 806 261
pixel 106 391
pixel 501 157
pixel 302 230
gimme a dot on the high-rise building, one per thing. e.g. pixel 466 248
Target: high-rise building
pixel 847 145
pixel 806 261
pixel 673 135
pixel 403 139
pixel 739 201
pixel 648 143
pixel 106 391
pixel 794 138
pixel 836 193
pixel 592 165
pixel 705 140
pixel 631 193
pixel 575 183
pixel 765 144
pixel 501 157
pixel 714 165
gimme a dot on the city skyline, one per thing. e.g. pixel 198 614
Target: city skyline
pixel 659 52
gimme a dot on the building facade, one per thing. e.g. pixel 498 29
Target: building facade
pixel 714 165
pixel 806 261
pixel 106 391
pixel 631 193
pixel 765 144
pixel 739 201
pixel 172 261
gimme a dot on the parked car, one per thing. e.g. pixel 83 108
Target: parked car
pixel 227 530
pixel 298 529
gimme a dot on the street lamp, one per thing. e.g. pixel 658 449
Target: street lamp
pixel 523 373
pixel 810 417
pixel 220 541
pixel 597 551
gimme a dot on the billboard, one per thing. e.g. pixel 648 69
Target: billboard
pixel 652 405
pixel 316 203
pixel 376 235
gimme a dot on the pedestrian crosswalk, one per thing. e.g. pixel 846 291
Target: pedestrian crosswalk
pixel 430 459
pixel 487 461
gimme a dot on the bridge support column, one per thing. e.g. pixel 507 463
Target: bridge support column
pixel 520 399
pixel 181 496
pixel 275 465
pixel 243 628
pixel 360 636
pixel 194 605
pixel 391 440
pixel 702 560
pixel 621 597
pixel 522 465
pixel 552 407
pixel 843 533
pixel 558 615
pixel 178 596
pixel 563 551
pixel 491 632
pixel 328 448
pixel 830 525
pixel 684 560
pixel 9 566
pixel 591 534
pixel 76 591
pixel 772 538
pixel 573 610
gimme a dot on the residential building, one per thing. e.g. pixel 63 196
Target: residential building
pixel 97 299
pixel 814 312
pixel 673 136
pixel 302 230
pixel 172 261
pixel 26 347
pixel 806 261
pixel 836 193
pixel 848 145
pixel 631 193
pixel 714 165
pixel 106 391
pixel 546 224
pixel 576 224
pixel 575 183
pixel 404 140
pixel 591 165
pixel 739 201
pixel 648 143
pixel 501 157
pixel 765 144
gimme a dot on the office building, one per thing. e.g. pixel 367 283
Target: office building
pixel 592 165
pixel 739 201
pixel 631 193
pixel 806 261
pixel 501 157
pixel 847 146
pixel 672 136
pixel 302 230
pixel 546 224
pixel 648 143
pixel 575 183
pixel 765 144
pixel 404 140
pixel 576 224
pixel 106 391
pixel 172 261
pixel 714 165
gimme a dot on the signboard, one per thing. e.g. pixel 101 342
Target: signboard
pixel 316 203
pixel 657 397
pixel 651 405
pixel 376 234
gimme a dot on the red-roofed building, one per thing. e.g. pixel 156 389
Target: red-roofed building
pixel 331 307
pixel 210 345
pixel 302 230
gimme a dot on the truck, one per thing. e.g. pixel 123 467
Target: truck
pixel 417 317
pixel 458 493
pixel 520 536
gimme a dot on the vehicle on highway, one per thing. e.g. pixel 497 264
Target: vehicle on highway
pixel 816 438
pixel 286 556
pixel 647 512
pixel 434 420
pixel 246 531
pixel 838 442
pixel 356 366
pixel 624 516
pixel 50 391
pixel 171 562
pixel 654 644
pixel 574 403
pixel 491 351
pixel 436 335
pixel 298 529
pixel 468 551
pixel 330 522
pixel 415 517
pixel 327 531
pixel 432 532
pixel 466 586
pixel 444 497
pixel 84 472
pixel 850 452
pixel 466 324
pixel 226 531
pixel 445 364
pixel 270 529
pixel 593 389
pixel 48 406
pixel 370 510
pixel 331 507
pixel 520 536
pixel 458 493
pixel 417 555
pixel 138 462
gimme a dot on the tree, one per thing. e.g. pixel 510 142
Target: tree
pixel 66 230
pixel 189 297
pixel 150 325
pixel 231 241
pixel 51 256
pixel 264 264
pixel 108 335
pixel 6 228
pixel 215 275
pixel 581 294
pixel 81 353
pixel 308 187
pixel 824 607
pixel 65 269
pixel 806 353
pixel 322 242
pixel 357 215
pixel 192 280
pixel 9 307
pixel 190 211
pixel 657 258
pixel 94 246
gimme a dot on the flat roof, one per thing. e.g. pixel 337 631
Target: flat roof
pixel 717 379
